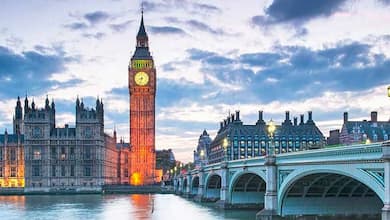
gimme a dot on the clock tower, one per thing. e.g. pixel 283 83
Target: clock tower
pixel 142 90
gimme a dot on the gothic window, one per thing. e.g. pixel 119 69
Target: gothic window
pixel 13 154
pixel 62 170
pixel 87 153
pixel 72 170
pixel 36 170
pixel 126 173
pixel 53 170
pixel 63 153
pixel 36 153
pixel 53 152
pixel 87 171
pixel 13 171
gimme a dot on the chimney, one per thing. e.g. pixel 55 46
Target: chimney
pixel 310 116
pixel 224 122
pixel 302 118
pixel 345 117
pixel 295 121
pixel 66 126
pixel 237 115
pixel 228 119
pixel 374 116
pixel 232 117
pixel 287 115
pixel 260 115
pixel 220 125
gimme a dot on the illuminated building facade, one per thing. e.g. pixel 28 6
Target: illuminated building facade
pixel 247 141
pixel 81 158
pixel 202 150
pixel 12 153
pixel 142 90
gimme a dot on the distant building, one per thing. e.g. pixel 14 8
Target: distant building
pixel 165 160
pixel 12 153
pixel 202 150
pixel 362 131
pixel 247 141
pixel 75 159
pixel 334 137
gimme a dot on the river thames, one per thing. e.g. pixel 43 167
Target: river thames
pixel 157 206
pixel 117 207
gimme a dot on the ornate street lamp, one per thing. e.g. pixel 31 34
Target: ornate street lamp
pixel 271 131
pixel 388 91
pixel 225 144
pixel 201 157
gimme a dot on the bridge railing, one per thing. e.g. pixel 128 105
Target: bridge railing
pixel 371 151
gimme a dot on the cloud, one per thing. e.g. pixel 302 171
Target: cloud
pixel 207 8
pixel 31 71
pixel 297 11
pixel 96 17
pixel 77 26
pixel 166 30
pixel 120 27
pixel 291 72
pixel 98 35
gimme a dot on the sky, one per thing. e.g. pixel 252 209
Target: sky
pixel 212 57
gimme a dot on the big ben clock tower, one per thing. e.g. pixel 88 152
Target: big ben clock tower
pixel 142 89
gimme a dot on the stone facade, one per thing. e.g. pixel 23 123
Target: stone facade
pixel 202 150
pixel 247 141
pixel 82 158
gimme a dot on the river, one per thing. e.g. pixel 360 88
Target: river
pixel 117 207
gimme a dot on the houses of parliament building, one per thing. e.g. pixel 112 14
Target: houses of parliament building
pixel 42 157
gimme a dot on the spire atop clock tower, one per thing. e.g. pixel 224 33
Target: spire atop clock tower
pixel 142 47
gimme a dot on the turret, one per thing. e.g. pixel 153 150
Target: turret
pixel 47 105
pixel 18 118
pixel 26 105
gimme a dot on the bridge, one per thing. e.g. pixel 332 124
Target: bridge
pixel 347 180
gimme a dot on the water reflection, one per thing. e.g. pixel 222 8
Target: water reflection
pixel 119 207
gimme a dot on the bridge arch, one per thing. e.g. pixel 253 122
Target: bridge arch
pixel 328 191
pixel 213 187
pixel 194 185
pixel 247 189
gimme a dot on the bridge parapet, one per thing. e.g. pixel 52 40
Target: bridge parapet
pixel 351 153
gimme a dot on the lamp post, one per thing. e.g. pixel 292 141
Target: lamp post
pixel 271 131
pixel 388 91
pixel 201 157
pixel 225 144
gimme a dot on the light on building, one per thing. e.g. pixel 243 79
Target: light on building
pixel 225 143
pixel 271 128
pixel 201 153
pixel 368 141
pixel 388 91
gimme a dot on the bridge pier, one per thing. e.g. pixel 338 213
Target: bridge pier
pixel 200 193
pixel 187 192
pixel 270 211
pixel 386 159
pixel 224 201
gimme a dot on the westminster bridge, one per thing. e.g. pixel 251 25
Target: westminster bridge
pixel 347 180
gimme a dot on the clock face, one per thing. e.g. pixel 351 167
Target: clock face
pixel 141 78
